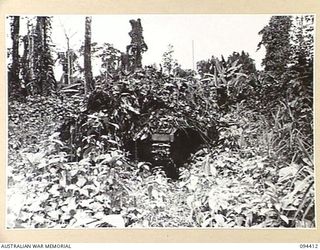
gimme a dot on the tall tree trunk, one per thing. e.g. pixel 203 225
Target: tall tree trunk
pixel 137 45
pixel 46 84
pixel 38 53
pixel 30 57
pixel 24 60
pixel 14 84
pixel 43 63
pixel 87 57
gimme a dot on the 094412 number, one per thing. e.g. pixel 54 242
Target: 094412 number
pixel 309 246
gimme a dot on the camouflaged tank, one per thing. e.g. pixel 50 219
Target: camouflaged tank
pixel 169 141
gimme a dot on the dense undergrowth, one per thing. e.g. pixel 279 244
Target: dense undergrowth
pixel 259 174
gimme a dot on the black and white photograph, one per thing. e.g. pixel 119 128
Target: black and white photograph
pixel 160 121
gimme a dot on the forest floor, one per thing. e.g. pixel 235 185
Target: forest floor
pixel 220 187
pixel 30 125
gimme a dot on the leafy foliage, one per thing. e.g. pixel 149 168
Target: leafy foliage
pixel 169 63
pixel 131 109
pixel 247 64
pixel 228 80
pixel 111 60
pixel 302 43
pixel 230 186
pixel 276 40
